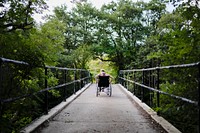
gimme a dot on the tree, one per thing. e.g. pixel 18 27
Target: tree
pixel 49 40
pixel 38 47
pixel 121 31
pixel 79 32
pixel 18 14
pixel 79 58
pixel 176 42
pixel 153 11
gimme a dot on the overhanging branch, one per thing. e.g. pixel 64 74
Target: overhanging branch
pixel 102 59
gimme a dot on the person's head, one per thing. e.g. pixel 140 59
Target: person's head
pixel 102 70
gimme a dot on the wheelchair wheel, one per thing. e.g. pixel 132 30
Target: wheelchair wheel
pixel 98 91
pixel 110 90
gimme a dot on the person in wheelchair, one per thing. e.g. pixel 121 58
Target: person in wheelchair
pixel 103 80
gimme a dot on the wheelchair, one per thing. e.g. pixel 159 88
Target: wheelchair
pixel 104 83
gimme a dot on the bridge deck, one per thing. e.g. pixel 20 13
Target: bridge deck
pixel 104 114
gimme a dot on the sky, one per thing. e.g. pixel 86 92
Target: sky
pixel 54 3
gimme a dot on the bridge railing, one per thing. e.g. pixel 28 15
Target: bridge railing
pixel 27 92
pixel 155 85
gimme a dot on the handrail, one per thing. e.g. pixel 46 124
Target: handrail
pixel 163 67
pixel 13 61
pixel 70 80
pixel 5 60
pixel 162 92
pixel 149 79
pixel 160 68
pixel 65 68
pixel 43 90
pixel 25 63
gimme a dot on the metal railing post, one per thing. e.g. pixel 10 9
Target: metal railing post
pixel 65 81
pixel 46 93
pixel 1 104
pixel 125 80
pixel 127 83
pixel 140 91
pixel 134 85
pixel 81 78
pixel 158 88
pixel 142 97
pixel 150 84
pixel 86 74
pixel 79 83
pixel 74 82
pixel 118 77
pixel 122 81
pixel 199 96
pixel 1 62
pixel 127 74
pixel 89 79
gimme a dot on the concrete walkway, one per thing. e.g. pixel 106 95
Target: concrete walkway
pixel 103 114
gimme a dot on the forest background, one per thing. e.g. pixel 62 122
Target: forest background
pixel 120 35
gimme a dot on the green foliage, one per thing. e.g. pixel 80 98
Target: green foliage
pixel 96 65
pixel 52 81
pixel 120 35
pixel 175 41
pixel 174 44
pixel 55 93
pixel 49 41
pixel 37 46
pixel 18 14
